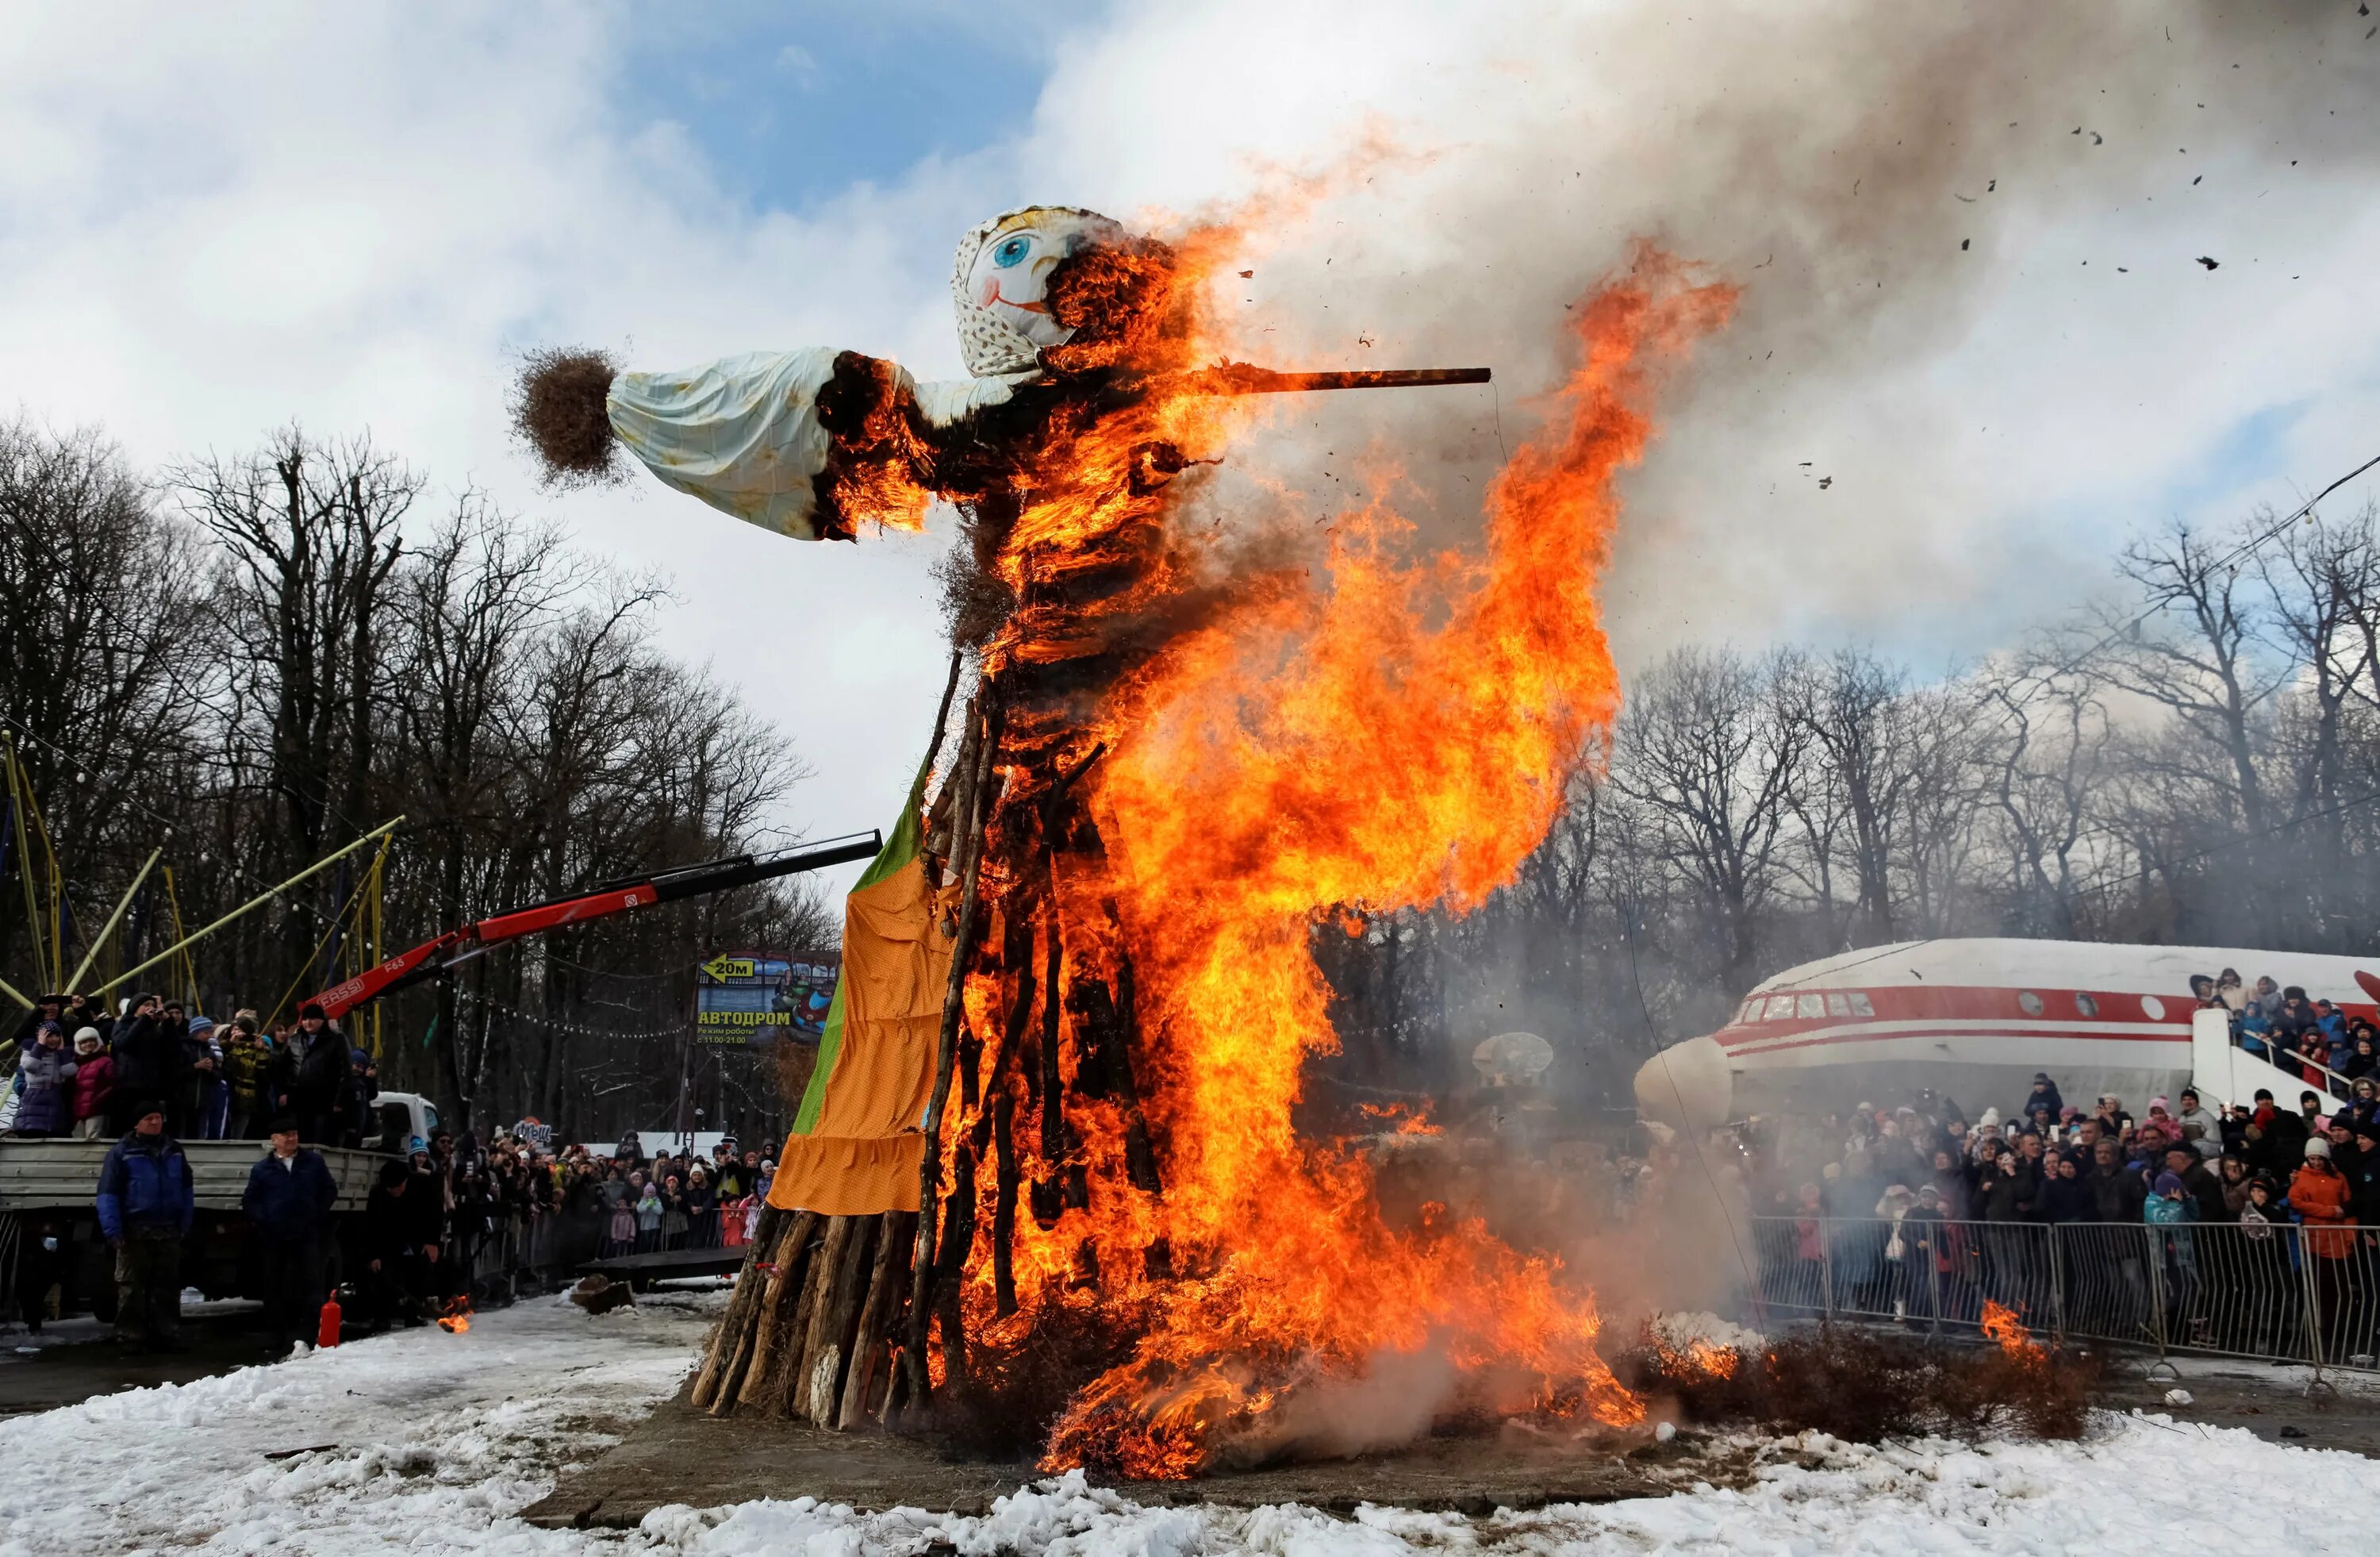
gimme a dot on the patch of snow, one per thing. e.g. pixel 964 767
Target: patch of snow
pixel 422 1442
pixel 1685 1329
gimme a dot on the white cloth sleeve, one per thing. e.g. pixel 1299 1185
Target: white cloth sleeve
pixel 741 433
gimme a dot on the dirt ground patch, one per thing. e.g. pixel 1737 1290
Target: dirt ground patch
pixel 2272 1403
pixel 683 1456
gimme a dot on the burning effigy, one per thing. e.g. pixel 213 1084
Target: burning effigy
pixel 1055 1094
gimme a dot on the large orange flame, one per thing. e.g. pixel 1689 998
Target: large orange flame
pixel 1398 736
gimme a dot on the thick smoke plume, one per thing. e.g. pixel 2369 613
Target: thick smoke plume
pixel 1926 208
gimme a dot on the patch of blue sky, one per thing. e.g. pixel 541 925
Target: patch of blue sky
pixel 793 104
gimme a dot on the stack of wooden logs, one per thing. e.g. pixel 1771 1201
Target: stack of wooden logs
pixel 809 1331
pixel 824 1305
pixel 834 1317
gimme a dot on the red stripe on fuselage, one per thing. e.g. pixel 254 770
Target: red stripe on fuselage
pixel 1979 1003
pixel 2176 1035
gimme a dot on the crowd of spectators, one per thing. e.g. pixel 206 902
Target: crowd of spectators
pixel 449 1222
pixel 79 1068
pixel 2331 1052
pixel 1919 1178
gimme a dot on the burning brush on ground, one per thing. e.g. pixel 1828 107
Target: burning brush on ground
pixel 1865 1386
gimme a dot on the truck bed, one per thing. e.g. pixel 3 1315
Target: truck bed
pixel 54 1173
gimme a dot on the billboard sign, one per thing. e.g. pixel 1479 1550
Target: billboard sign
pixel 746 999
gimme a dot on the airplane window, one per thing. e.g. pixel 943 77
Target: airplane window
pixel 2029 1002
pixel 1781 1007
pixel 1811 1005
pixel 2153 1008
pixel 1838 1007
pixel 2086 1005
pixel 1752 1009
pixel 1861 1005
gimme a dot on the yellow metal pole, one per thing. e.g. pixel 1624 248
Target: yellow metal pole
pixel 109 928
pixel 11 990
pixel 25 859
pixel 258 901
pixel 189 974
pixel 370 949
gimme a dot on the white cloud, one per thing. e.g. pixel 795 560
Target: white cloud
pixel 211 222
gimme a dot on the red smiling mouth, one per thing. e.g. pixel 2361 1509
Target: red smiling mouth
pixel 991 294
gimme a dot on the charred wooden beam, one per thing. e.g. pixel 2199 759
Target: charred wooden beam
pixel 870 1371
pixel 1004 1204
pixel 929 1170
pixel 957 1242
pixel 777 1301
pixel 731 1343
pixel 834 1324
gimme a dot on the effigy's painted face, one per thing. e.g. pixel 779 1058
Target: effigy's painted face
pixel 1010 278
pixel 1002 282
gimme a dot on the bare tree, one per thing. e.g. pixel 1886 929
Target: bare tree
pixel 1710 745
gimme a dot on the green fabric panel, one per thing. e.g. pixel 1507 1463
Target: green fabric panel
pixel 899 849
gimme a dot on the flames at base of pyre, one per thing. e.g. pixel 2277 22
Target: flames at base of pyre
pixel 1190 772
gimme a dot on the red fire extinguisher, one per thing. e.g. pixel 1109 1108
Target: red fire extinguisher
pixel 328 1335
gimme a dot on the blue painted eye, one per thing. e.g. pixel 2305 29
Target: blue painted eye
pixel 1012 252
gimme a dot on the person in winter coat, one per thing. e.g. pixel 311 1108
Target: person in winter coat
pixel 2044 1095
pixel 397 1261
pixel 289 1193
pixel 2065 1197
pixel 2363 1178
pixel 2337 1043
pixel 2363 1106
pixel 201 1078
pixel 147 1057
pixel 2255 1030
pixel 145 1206
pixel 363 1086
pixel 2204 1189
pixel 247 1069
pixel 314 1077
pixel 95 1085
pixel 620 1230
pixel 2157 1131
pixel 2319 1195
pixel 47 1071
pixel 2168 1210
pixel 2199 1125
pixel 2236 1178
pixel 702 1210
pixel 649 1216
pixel 2275 1138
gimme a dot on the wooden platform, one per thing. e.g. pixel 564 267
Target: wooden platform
pixel 683 1456
pixel 640 1270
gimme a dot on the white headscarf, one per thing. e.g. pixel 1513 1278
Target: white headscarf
pixel 1010 257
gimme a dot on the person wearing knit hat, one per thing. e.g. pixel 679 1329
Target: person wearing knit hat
pixel 2320 1195
pixel 95 1085
pixel 198 1117
pixel 45 1070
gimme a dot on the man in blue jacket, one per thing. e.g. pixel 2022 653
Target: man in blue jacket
pixel 145 1207
pixel 289 1192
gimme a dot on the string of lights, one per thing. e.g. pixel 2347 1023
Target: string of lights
pixel 578 1029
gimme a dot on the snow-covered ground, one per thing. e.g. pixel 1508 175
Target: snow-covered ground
pixel 426 1443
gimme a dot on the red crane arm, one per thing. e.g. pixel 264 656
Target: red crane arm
pixel 667 886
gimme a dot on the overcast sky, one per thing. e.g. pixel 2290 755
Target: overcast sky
pixel 1970 245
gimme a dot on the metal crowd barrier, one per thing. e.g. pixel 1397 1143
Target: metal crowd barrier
pixel 2274 1292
